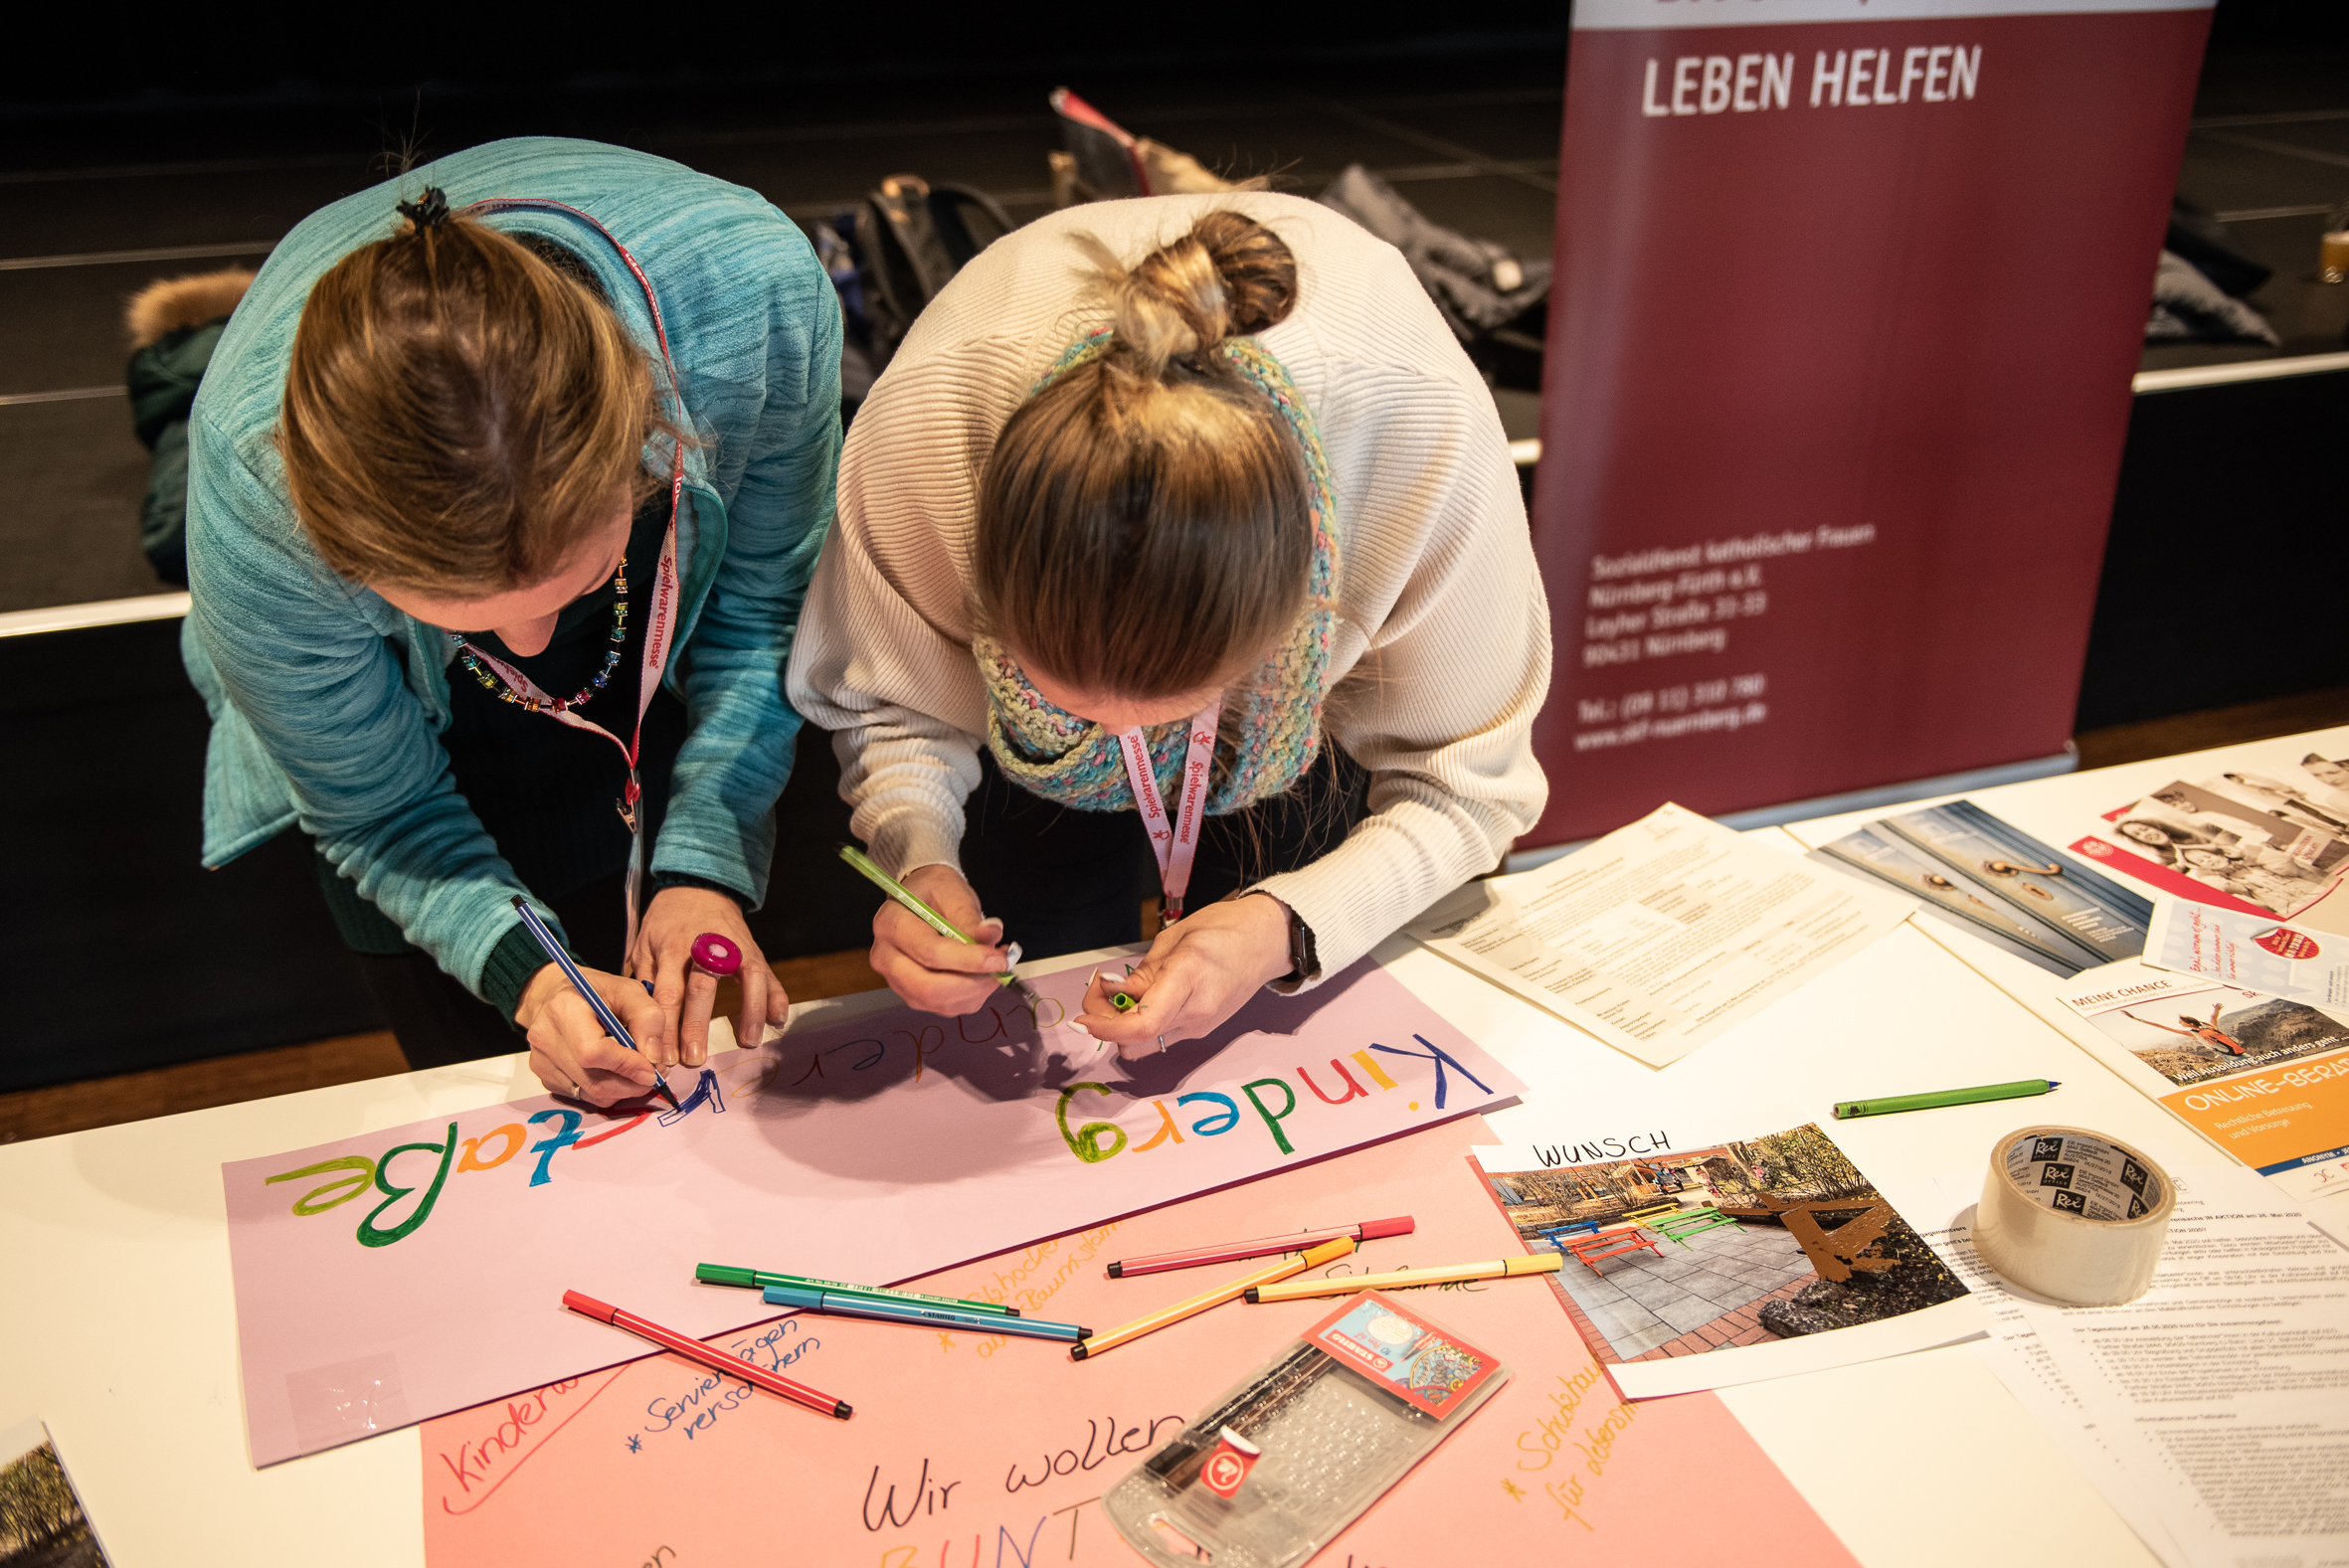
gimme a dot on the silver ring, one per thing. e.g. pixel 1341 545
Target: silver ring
pixel 576 1091
pixel 1161 1042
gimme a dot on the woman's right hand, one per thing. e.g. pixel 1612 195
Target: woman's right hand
pixel 571 1053
pixel 933 973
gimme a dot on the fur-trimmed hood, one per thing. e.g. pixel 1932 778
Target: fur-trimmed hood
pixel 170 303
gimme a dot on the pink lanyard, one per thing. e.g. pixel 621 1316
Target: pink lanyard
pixel 664 591
pixel 1175 844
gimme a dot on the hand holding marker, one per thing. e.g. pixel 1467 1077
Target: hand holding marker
pixel 604 1014
pixel 929 917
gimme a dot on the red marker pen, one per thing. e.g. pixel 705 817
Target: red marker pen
pixel 719 1361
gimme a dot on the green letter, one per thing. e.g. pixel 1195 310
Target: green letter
pixel 369 1235
pixel 1085 1142
pixel 309 1202
pixel 1272 1118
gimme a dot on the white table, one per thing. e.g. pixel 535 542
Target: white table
pixel 119 1315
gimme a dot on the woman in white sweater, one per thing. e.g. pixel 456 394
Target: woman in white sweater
pixel 1174 492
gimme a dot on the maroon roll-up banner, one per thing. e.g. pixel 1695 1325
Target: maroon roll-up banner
pixel 1848 294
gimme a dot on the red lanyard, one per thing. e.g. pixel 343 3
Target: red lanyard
pixel 1175 843
pixel 664 586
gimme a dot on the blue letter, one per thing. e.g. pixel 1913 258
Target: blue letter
pixel 570 1134
pixel 1435 1054
pixel 1230 1117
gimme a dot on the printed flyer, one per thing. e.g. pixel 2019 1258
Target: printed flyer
pixel 2258 951
pixel 1995 882
pixel 2270 836
pixel 2266 1077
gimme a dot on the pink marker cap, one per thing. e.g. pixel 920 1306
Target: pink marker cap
pixel 720 956
pixel 1402 1224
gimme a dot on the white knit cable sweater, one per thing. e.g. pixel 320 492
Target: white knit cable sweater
pixel 1441 642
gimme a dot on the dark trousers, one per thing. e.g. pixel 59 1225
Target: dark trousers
pixel 438 1021
pixel 1063 880
pixel 434 1018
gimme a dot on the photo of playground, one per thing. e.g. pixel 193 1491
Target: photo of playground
pixel 1682 1254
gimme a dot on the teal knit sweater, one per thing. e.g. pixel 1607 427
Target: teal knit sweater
pixel 327 701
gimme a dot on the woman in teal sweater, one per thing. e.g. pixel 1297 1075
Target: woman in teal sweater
pixel 505 484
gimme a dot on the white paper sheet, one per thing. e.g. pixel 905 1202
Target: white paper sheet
pixel 2019 1360
pixel 2209 1411
pixel 1661 935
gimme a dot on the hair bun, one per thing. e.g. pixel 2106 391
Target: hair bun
pixel 1229 277
pixel 428 211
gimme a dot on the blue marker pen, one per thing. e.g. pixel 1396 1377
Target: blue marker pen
pixel 805 1300
pixel 610 1019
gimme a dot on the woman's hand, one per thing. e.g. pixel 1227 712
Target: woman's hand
pixel 933 973
pixel 1199 972
pixel 571 1053
pixel 663 954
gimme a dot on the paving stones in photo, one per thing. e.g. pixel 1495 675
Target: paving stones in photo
pixel 1644 1300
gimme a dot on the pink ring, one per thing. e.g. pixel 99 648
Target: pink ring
pixel 716 955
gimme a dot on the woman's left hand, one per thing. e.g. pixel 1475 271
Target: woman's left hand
pixel 663 954
pixel 1199 972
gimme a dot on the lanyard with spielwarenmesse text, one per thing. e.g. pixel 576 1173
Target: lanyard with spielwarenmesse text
pixel 1176 843
pixel 658 623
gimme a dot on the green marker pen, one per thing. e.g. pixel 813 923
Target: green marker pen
pixel 1845 1110
pixel 936 922
pixel 760 1278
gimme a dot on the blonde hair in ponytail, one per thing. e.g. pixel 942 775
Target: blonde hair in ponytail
pixel 1145 523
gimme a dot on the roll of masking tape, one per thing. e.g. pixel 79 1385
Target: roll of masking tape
pixel 2073 1215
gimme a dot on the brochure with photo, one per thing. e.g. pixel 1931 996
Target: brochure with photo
pixel 1991 879
pixel 2263 1077
pixel 2093 908
pixel 1750 1259
pixel 2270 836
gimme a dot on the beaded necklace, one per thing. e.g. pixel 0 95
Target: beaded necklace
pixel 470 656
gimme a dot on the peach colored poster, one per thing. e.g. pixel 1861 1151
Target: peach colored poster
pixel 984 1451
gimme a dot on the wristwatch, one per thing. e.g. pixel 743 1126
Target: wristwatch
pixel 1302 959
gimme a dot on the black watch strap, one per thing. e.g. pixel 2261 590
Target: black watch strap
pixel 1302 960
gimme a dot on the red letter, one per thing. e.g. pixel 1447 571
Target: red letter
pixel 1352 1087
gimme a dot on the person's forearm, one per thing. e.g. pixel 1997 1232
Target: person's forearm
pixel 1399 859
pixel 906 791
pixel 438 876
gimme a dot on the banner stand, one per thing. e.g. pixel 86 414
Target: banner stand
pixel 1849 298
pixel 1877 800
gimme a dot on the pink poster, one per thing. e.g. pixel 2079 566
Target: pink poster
pixel 1848 297
pixel 973 1452
pixel 387 1279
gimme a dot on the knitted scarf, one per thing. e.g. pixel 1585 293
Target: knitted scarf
pixel 1272 722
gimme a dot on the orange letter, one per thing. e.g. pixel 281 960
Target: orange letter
pixel 1165 1127
pixel 512 1133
